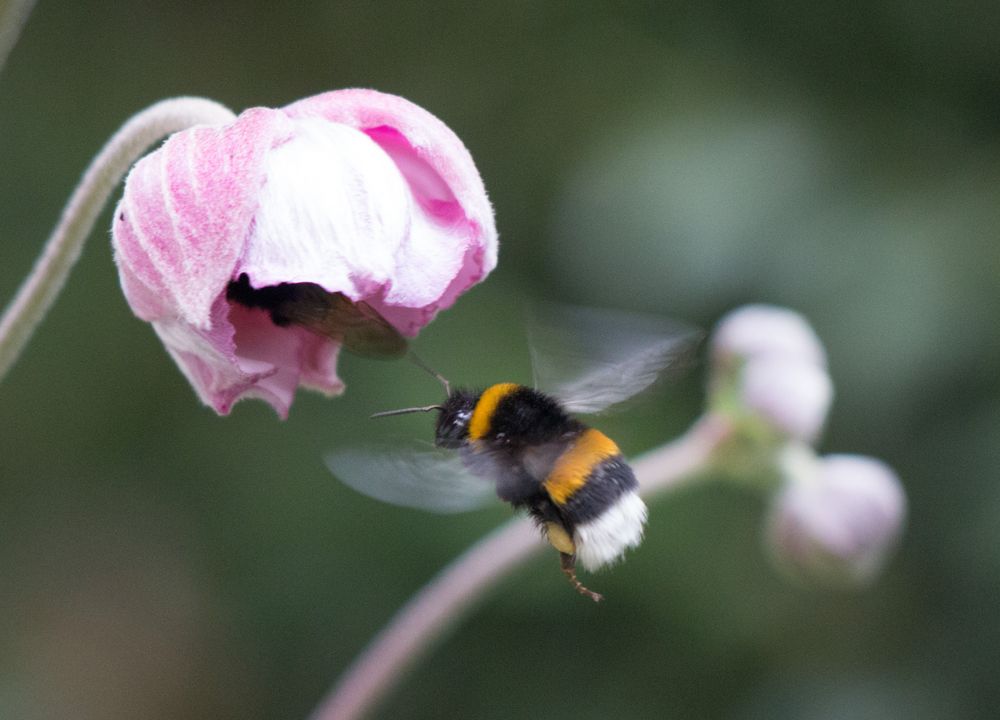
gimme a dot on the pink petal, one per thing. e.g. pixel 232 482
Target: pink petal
pixel 246 355
pixel 184 218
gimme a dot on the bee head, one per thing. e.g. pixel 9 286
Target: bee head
pixel 452 429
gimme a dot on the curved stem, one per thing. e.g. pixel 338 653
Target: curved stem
pixel 13 15
pixel 40 288
pixel 443 600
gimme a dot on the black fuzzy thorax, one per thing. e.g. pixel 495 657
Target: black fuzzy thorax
pixel 529 417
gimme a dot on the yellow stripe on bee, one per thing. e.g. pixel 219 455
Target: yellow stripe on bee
pixel 574 466
pixel 482 414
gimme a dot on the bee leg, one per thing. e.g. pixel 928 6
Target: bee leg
pixel 568 563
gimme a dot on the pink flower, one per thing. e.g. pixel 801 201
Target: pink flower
pixel 353 192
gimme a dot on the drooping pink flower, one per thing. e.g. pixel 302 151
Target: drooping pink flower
pixel 355 192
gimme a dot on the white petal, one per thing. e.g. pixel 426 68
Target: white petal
pixel 334 210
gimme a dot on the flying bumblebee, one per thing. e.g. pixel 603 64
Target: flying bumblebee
pixel 512 441
pixel 525 447
pixel 571 478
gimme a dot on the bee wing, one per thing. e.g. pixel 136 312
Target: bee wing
pixel 591 359
pixel 359 326
pixel 420 477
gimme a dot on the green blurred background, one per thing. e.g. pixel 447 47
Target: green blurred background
pixel 157 561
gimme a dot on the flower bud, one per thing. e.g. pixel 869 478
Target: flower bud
pixel 792 397
pixel 352 199
pixel 768 362
pixel 836 519
pixel 765 330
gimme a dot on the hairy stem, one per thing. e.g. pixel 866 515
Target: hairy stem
pixel 445 598
pixel 40 289
pixel 13 15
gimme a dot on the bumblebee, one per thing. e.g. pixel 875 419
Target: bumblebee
pixel 571 478
pixel 512 441
pixel 525 447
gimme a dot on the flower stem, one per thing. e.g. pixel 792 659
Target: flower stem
pixel 42 286
pixel 13 15
pixel 445 598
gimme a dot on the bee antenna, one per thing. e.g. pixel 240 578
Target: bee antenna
pixel 415 359
pixel 404 411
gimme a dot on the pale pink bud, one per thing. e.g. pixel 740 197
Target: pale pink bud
pixel 765 330
pixel 793 397
pixel 769 361
pixel 359 192
pixel 837 518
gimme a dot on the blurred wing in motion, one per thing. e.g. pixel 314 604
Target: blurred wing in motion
pixel 591 359
pixel 417 476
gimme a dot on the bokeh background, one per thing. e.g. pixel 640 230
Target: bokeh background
pixel 157 561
